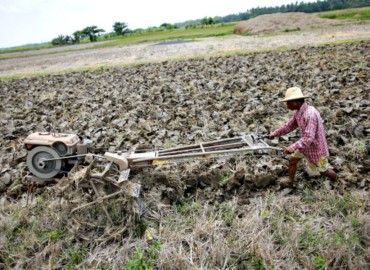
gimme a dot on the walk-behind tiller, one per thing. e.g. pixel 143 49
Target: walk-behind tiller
pixel 52 155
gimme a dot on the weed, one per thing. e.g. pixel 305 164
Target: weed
pixel 258 263
pixel 292 30
pixel 309 239
pixel 265 214
pixel 187 208
pixel 309 197
pixel 228 213
pixel 319 262
pixel 51 236
pixel 144 260
pixel 246 34
pixel 355 223
pixel 344 205
pixel 226 178
pixel 74 256
pixel 279 239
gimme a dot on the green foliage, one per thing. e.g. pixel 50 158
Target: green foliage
pixel 77 35
pixel 208 21
pixel 226 178
pixel 74 256
pixel 308 240
pixel 228 213
pixel 319 262
pixel 344 205
pixel 292 30
pixel 355 223
pixel 144 260
pixel 265 213
pixel 246 34
pixel 188 208
pixel 168 26
pixel 92 32
pixel 352 13
pixel 258 263
pixel 51 236
pixel 62 40
pixel 121 28
pixel 309 196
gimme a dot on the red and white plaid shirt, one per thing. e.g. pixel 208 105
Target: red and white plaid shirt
pixel 312 143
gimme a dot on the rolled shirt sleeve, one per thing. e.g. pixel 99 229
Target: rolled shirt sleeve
pixel 286 128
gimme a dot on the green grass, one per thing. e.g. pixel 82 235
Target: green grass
pixel 181 33
pixel 26 48
pixel 351 13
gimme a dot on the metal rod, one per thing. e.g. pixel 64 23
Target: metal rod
pixel 197 145
pixel 100 200
pixel 220 147
pixel 69 157
pixel 104 198
pixel 207 153
pixel 201 146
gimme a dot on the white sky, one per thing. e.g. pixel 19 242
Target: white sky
pixel 35 21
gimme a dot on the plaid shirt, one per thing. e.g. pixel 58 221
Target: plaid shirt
pixel 312 143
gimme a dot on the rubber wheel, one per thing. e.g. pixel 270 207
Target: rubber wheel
pixel 39 167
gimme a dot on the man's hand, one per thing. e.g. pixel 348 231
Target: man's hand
pixel 270 137
pixel 288 150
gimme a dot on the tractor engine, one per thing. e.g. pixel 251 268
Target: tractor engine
pixel 49 153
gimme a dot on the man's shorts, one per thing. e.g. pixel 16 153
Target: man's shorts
pixel 314 168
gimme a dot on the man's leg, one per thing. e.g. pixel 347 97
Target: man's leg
pixel 293 162
pixel 330 174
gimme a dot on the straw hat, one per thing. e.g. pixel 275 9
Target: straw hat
pixel 293 93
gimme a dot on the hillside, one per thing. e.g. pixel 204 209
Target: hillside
pixel 279 22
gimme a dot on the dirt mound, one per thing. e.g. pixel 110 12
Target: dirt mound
pixel 281 22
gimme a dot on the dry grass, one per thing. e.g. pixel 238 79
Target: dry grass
pixel 312 231
pixel 317 229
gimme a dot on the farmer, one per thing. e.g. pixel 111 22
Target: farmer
pixel 312 144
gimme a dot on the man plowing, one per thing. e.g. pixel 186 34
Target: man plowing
pixel 312 144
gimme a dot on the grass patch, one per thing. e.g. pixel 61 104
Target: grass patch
pixel 181 33
pixel 26 48
pixel 74 256
pixel 343 14
pixel 144 259
pixel 292 30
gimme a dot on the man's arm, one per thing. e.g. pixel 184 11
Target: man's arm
pixel 285 129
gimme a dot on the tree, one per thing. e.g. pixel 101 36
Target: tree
pixel 169 26
pixel 62 40
pixel 208 21
pixel 91 32
pixel 120 28
pixel 77 36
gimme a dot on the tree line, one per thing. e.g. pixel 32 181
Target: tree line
pixel 318 6
pixel 121 28
pixel 91 32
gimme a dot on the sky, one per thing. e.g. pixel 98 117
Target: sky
pixel 35 21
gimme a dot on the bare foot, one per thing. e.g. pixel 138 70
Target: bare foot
pixel 285 182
